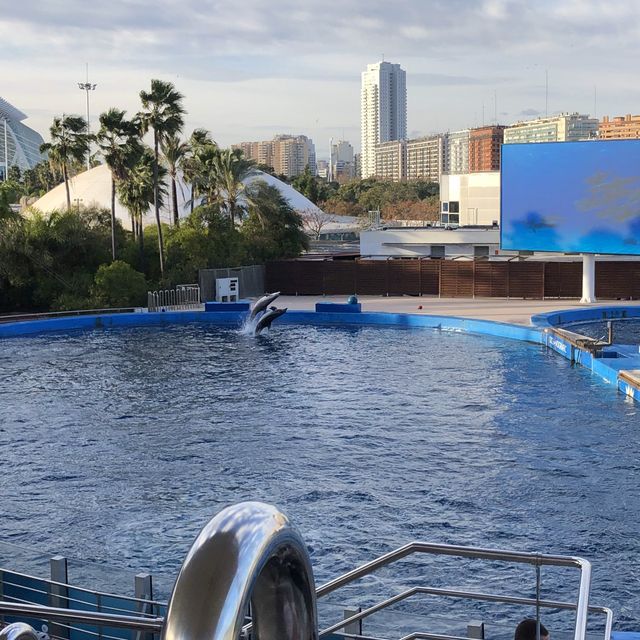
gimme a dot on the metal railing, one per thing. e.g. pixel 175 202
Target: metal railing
pixel 247 549
pixel 185 296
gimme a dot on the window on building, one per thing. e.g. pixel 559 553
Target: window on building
pixel 445 206
pixel 437 251
pixel 454 218
pixel 480 251
pixel 444 218
pixel 454 206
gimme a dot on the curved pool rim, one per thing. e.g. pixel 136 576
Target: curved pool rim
pixel 616 365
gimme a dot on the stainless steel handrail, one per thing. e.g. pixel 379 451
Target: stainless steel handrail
pixel 534 559
pixel 247 553
pixel 93 617
pixel 467 595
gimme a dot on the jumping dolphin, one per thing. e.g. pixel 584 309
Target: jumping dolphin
pixel 268 317
pixel 262 303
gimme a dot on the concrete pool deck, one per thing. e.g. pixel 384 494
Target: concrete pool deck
pixel 493 309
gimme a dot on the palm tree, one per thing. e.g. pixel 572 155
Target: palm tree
pixel 162 112
pixel 121 148
pixel 137 193
pixel 193 166
pixel 231 169
pixel 69 145
pixel 174 153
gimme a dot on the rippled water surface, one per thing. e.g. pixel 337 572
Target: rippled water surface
pixel 119 445
pixel 624 331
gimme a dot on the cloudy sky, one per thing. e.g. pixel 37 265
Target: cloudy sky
pixel 255 68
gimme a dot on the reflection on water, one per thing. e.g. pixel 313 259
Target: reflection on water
pixel 120 445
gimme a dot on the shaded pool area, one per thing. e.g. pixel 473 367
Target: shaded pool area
pixel 125 441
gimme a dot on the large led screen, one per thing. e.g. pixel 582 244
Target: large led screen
pixel 579 197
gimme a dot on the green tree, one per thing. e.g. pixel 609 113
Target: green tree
pixel 273 230
pixel 69 145
pixel 163 113
pixel 201 145
pixel 118 141
pixel 118 285
pixel 307 185
pixel 137 193
pixel 230 173
pixel 174 154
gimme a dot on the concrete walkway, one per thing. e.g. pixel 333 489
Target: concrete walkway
pixel 496 309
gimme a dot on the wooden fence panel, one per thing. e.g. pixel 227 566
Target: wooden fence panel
pixel 562 279
pixel 430 277
pixel 526 280
pixel 280 276
pixel 339 277
pixel 617 280
pixel 491 279
pixel 456 279
pixel 371 277
pixel 404 277
pixel 309 277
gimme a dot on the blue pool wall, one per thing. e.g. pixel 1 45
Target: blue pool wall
pixel 616 359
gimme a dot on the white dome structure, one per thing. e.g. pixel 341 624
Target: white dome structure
pixel 93 188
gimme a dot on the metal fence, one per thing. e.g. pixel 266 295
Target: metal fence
pixel 184 296
pixel 251 281
pixel 451 278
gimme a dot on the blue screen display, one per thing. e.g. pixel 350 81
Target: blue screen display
pixel 581 197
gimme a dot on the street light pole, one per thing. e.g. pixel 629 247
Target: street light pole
pixel 86 87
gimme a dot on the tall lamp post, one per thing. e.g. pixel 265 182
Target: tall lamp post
pixel 86 87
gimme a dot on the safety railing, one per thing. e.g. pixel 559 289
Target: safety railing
pixel 185 296
pixel 537 560
pixel 251 553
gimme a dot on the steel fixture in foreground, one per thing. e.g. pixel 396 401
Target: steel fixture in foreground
pixel 248 553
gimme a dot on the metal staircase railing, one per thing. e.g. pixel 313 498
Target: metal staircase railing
pixel 250 553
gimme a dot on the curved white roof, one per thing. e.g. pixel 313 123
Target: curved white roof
pixel 93 187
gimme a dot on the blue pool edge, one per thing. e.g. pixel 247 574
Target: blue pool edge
pixel 619 366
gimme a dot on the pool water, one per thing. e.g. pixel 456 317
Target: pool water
pixel 624 331
pixel 119 445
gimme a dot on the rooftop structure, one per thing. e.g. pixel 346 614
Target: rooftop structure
pixel 19 145
pixel 383 110
pixel 567 127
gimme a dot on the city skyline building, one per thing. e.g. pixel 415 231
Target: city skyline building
pixel 342 162
pixel 456 152
pixel 286 154
pixel 391 160
pixel 620 127
pixel 484 148
pixel 566 127
pixel 383 110
pixel 424 158
pixel 19 144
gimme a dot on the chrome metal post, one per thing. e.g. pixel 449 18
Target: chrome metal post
pixel 248 552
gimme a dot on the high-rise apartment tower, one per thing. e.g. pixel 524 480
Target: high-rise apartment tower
pixel 383 110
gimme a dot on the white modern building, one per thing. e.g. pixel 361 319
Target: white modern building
pixel 19 145
pixel 470 198
pixel 456 151
pixel 343 166
pixel 567 127
pixel 383 110
pixel 430 242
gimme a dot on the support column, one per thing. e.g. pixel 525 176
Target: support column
pixel 588 278
pixel 59 594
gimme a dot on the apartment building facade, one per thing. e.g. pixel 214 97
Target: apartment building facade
pixel 383 110
pixel 484 148
pixel 288 155
pixel 456 152
pixel 567 127
pixel 620 128
pixel 424 158
pixel 391 160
